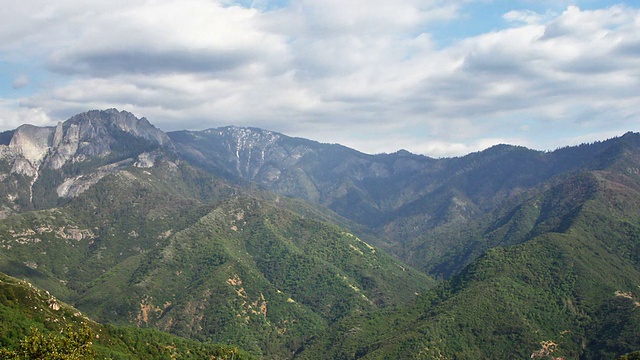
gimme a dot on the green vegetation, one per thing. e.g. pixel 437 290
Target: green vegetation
pixel 35 325
pixel 630 356
pixel 172 248
pixel 572 289
pixel 278 280
pixel 71 345
pixel 538 252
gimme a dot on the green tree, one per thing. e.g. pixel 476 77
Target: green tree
pixel 69 345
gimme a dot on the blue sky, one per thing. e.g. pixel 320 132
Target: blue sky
pixel 441 78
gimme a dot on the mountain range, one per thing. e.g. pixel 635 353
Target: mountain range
pixel 290 248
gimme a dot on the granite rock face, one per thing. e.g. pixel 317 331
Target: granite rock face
pixel 91 134
pixel 30 145
pixel 84 136
pixel 29 150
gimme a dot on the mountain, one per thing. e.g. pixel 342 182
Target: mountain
pixel 280 245
pixel 142 237
pixel 412 201
pixel 239 271
pixel 569 291
pixel 362 186
pixel 42 165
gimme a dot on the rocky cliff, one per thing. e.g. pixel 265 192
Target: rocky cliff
pixel 75 153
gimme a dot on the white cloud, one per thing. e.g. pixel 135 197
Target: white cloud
pixel 21 82
pixel 364 73
pixel 527 17
pixel 12 116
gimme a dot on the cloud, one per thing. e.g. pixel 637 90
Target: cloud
pixel 368 74
pixel 527 17
pixel 20 82
pixel 149 62
pixel 12 116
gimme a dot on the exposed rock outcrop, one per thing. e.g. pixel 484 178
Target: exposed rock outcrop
pixel 31 144
pixel 92 135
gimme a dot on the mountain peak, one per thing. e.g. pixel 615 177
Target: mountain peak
pixel 633 138
pixel 93 134
pixel 98 121
pixel 244 134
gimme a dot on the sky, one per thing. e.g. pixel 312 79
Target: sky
pixel 434 77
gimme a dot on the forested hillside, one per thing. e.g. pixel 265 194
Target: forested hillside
pixel 422 208
pixel 36 325
pixel 570 286
pixel 288 248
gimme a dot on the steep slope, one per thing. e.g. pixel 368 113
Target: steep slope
pixel 122 215
pixel 571 287
pixel 256 274
pixel 550 207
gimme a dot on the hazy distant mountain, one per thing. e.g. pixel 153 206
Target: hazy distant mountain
pixel 278 244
